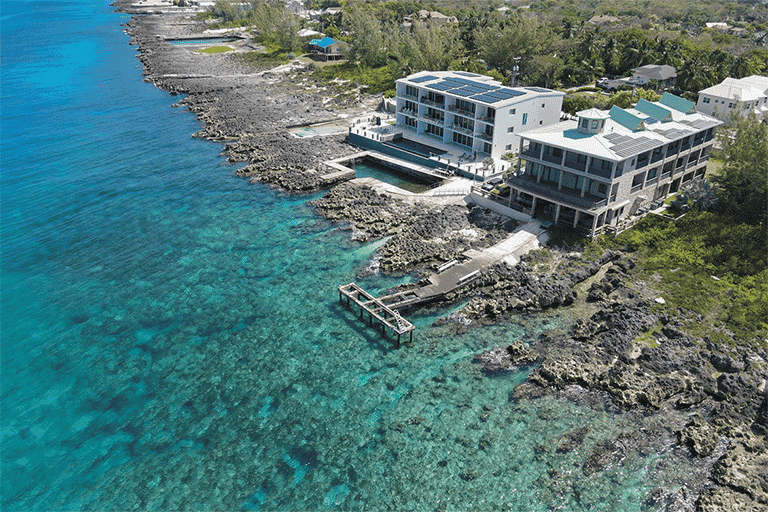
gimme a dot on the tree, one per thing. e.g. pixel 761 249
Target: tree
pixel 743 180
pixel 366 37
pixel 626 99
pixel 573 103
pixel 501 43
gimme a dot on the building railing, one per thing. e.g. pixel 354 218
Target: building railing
pixel 698 141
pixel 691 164
pixel 437 119
pixel 636 188
pixel 489 120
pixel 552 159
pixel 484 136
pixel 406 95
pixel 656 158
pixel 575 164
pixel 530 153
pixel 641 163
pixel 437 104
pixel 465 111
pixel 550 192
pixel 600 172
pixel 461 129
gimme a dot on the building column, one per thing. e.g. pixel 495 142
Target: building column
pixel 557 214
pixel 583 186
pixel 594 223
pixel 533 206
pixel 576 219
pixel 519 156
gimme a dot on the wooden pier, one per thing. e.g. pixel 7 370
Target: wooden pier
pixel 385 316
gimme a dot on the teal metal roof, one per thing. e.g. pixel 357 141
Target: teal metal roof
pixel 322 43
pixel 677 103
pixel 625 119
pixel 655 111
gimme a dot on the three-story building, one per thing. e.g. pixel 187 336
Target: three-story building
pixel 590 173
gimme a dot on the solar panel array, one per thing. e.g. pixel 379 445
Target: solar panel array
pixel 624 145
pixel 473 89
pixel 425 78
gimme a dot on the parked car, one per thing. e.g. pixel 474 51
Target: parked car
pixel 491 184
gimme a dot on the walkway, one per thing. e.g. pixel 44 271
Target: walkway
pixel 455 275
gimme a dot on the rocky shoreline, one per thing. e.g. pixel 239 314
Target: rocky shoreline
pixel 714 395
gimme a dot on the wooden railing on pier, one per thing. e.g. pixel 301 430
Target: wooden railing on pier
pixel 386 317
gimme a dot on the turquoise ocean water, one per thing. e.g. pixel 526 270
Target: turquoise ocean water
pixel 171 338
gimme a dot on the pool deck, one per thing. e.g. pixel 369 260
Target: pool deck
pixel 447 155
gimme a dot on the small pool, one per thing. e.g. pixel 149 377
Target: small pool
pixel 416 147
pixel 369 168
pixel 211 40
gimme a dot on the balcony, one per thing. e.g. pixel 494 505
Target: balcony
pixel 656 158
pixel 552 159
pixel 407 95
pixel 600 172
pixel 461 129
pixel 691 164
pixel 425 101
pixel 698 141
pixel 550 192
pixel 636 188
pixel 485 136
pixel 641 163
pixel 487 120
pixel 408 112
pixel 574 164
pixel 530 153
pixel 462 111
pixel 434 119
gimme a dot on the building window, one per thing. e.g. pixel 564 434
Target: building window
pixel 525 118
pixel 434 130
pixel 411 91
pixel 409 121
pixel 541 122
pixel 510 129
pixel 460 138
pixel 594 125
pixel 508 147
pixel 543 105
pixel 466 106
pixel 705 100
pixel 730 105
pixel 585 123
pixel 463 122
pixel 487 148
pixel 512 111
pixel 491 113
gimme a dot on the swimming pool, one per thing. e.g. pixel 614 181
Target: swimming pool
pixel 415 147
pixel 369 168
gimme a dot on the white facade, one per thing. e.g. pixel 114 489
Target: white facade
pixel 740 96
pixel 592 173
pixel 473 112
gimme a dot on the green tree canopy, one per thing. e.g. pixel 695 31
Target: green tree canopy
pixel 743 181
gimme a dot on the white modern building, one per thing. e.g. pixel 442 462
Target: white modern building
pixel 590 174
pixel 741 96
pixel 473 112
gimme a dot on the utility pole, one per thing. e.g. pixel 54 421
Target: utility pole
pixel 515 70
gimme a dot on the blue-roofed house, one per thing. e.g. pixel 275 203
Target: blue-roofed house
pixel 326 48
